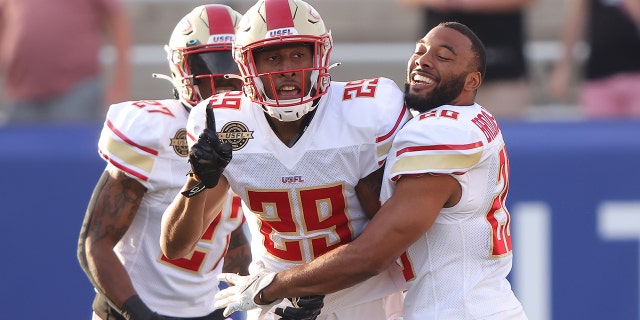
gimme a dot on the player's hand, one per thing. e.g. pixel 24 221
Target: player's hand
pixel 304 308
pixel 242 291
pixel 209 156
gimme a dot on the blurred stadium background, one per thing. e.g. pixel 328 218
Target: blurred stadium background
pixel 574 197
pixel 372 38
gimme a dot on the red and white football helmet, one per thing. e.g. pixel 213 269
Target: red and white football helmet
pixel 200 49
pixel 283 22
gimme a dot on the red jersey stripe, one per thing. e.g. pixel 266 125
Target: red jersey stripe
pixel 129 141
pixel 123 167
pixel 395 127
pixel 441 147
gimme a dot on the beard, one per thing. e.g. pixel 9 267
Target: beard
pixel 442 94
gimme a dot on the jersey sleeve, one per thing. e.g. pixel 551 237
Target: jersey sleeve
pixel 141 138
pixel 436 145
pixel 392 116
pixel 374 107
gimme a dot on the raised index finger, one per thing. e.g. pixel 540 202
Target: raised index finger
pixel 211 119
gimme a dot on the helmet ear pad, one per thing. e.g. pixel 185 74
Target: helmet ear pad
pixel 324 83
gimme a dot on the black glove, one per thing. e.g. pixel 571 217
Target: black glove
pixel 135 309
pixel 304 308
pixel 208 156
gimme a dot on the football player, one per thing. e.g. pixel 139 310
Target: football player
pixel 145 147
pixel 444 217
pixel 305 153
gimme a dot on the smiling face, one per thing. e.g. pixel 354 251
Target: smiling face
pixel 281 70
pixel 442 70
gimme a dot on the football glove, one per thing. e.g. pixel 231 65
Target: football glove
pixel 242 290
pixel 304 308
pixel 208 157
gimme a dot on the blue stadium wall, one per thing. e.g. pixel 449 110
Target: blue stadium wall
pixel 574 202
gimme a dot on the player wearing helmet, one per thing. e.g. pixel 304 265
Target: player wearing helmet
pixel 198 54
pixel 264 85
pixel 305 154
pixel 144 145
pixel 444 215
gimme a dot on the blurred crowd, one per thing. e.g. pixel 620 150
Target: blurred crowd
pixel 56 71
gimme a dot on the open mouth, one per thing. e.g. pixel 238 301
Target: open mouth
pixel 288 92
pixel 421 80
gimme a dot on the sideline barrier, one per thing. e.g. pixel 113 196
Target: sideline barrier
pixel 574 201
pixel 47 177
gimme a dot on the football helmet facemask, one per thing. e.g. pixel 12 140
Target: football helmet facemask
pixel 283 23
pixel 199 53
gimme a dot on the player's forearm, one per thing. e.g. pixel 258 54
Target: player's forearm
pixel 338 269
pixel 110 277
pixel 394 228
pixel 116 193
pixel 238 256
pixel 182 223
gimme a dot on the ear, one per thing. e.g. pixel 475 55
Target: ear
pixel 473 81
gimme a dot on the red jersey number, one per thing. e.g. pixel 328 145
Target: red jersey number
pixel 277 217
pixel 198 257
pixel 229 100
pixel 361 88
pixel 498 216
pixel 153 106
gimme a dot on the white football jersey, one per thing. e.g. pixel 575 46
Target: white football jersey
pixel 147 141
pixel 303 197
pixel 459 268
